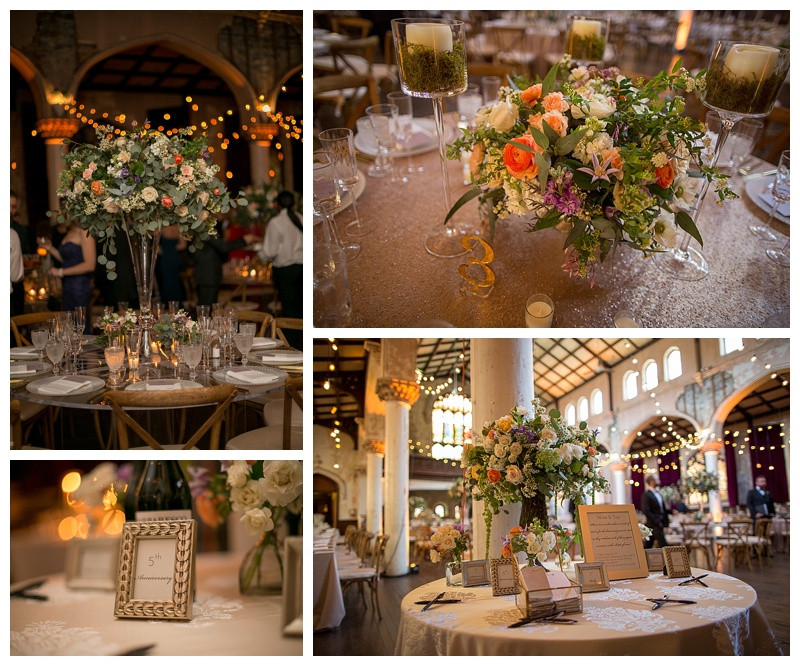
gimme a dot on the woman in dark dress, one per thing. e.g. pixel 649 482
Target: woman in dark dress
pixel 78 257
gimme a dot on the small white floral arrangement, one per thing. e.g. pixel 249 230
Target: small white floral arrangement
pixel 111 320
pixel 644 531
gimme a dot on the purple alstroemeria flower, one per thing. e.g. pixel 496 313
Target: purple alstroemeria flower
pixel 206 155
pixel 600 171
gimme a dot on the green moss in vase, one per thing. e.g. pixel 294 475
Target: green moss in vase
pixel 739 94
pixel 586 48
pixel 430 72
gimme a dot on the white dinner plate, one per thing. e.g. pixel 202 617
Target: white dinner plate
pixel 39 368
pixel 265 343
pixel 24 354
pixel 144 385
pixel 271 375
pixel 277 357
pixel 95 384
pixel 365 142
pixel 755 187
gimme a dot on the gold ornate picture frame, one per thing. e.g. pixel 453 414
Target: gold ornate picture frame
pixel 655 559
pixel 610 534
pixel 155 577
pixel 504 577
pixel 92 563
pixel 475 572
pixel 592 576
pixel 676 561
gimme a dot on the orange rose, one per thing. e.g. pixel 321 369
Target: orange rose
pixel 557 121
pixel 531 94
pixel 178 160
pixel 216 190
pixel 519 162
pixel 494 475
pixel 166 202
pixel 515 530
pixel 207 510
pixel 555 102
pixel 592 451
pixel 507 552
pixel 665 175
pixel 97 187
pixel 616 159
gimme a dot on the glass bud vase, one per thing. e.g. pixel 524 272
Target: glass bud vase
pixel 262 568
pixel 453 575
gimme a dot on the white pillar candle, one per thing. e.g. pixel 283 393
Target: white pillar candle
pixel 587 28
pixel 538 312
pixel 751 60
pixel 436 36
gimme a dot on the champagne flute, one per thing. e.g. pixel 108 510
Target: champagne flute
pixel 75 340
pixel 327 196
pixel 133 342
pixel 383 118
pixel 780 195
pixel 79 317
pixel 55 352
pixel 39 338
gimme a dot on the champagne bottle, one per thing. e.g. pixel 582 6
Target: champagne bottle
pixel 163 492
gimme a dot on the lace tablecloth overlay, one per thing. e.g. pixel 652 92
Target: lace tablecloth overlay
pixel 726 620
pixel 82 622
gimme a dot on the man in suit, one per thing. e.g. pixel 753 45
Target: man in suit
pixel 759 501
pixel 655 512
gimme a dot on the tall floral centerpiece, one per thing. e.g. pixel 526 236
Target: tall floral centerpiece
pixel 141 182
pixel 528 457
pixel 265 493
pixel 701 482
pixel 449 542
pixel 605 158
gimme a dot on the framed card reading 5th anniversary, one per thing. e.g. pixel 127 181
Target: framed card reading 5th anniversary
pixel 156 570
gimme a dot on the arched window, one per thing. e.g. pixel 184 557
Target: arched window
pixel 440 510
pixel 728 345
pixel 629 387
pixel 672 364
pixel 583 409
pixel 569 414
pixel 597 401
pixel 649 375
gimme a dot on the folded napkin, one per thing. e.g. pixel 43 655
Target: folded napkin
pixel 768 199
pixel 267 343
pixel 417 140
pixel 24 353
pixel 285 356
pixel 22 369
pixel 248 376
pixel 163 385
pixel 64 386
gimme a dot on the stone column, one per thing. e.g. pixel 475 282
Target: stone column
pixel 374 438
pixel 261 135
pixel 54 131
pixel 501 378
pixel 711 454
pixel 619 490
pixel 399 390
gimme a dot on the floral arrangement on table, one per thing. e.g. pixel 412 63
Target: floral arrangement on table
pixel 142 181
pixel 701 481
pixel 265 492
pixel 644 531
pixel 537 542
pixel 457 489
pixel 670 494
pixel 448 541
pixel 111 320
pixel 179 326
pixel 528 457
pixel 608 159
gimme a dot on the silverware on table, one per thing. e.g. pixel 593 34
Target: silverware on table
pixel 694 579
pixel 137 651
pixel 441 601
pixel 432 601
pixel 25 592
pixel 750 176
pixel 658 603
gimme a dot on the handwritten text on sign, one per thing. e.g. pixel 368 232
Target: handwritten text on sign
pixel 155 567
pixel 613 539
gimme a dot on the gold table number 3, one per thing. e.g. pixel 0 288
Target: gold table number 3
pixel 478 276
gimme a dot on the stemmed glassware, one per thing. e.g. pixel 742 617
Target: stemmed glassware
pixel 133 343
pixel 432 59
pixel 73 338
pixel 79 317
pixel 383 118
pixel 339 143
pixel 206 325
pixel 330 285
pixel 743 81
pixel 244 342
pixel 586 39
pixel 55 351
pixel 192 350
pixel 39 338
pixel 115 355
pixel 328 198
pixel 780 195
pixel 405 127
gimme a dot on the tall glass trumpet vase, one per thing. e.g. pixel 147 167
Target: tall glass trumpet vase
pixel 742 81
pixel 432 59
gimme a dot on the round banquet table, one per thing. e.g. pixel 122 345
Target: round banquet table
pixel 727 620
pixel 224 622
pixel 394 282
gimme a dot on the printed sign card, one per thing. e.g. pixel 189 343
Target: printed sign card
pixel 611 535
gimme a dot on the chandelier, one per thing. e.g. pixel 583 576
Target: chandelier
pixel 451 421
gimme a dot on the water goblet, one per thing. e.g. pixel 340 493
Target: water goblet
pixel 192 352
pixel 244 342
pixel 405 128
pixel 39 338
pixel 114 354
pixel 780 195
pixel 55 352
pixel 490 86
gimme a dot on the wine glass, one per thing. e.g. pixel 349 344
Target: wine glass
pixel 405 127
pixel 780 195
pixel 74 340
pixel 55 352
pixel 586 39
pixel 383 118
pixel 39 338
pixel 115 355
pixel 432 59
pixel 339 143
pixel 327 196
pixel 244 342
pixel 780 191
pixel 490 86
pixel 742 81
pixel 192 352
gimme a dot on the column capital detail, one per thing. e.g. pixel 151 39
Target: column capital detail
pixel 376 447
pixel 400 390
pixel 620 466
pixel 57 128
pixel 714 446
pixel 372 346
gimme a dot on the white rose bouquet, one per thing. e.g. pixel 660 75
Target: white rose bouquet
pixel 448 541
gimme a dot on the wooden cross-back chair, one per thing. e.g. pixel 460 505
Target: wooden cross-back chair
pixel 351 26
pixel 695 537
pixel 222 396
pixel 263 319
pixel 24 321
pixel 279 324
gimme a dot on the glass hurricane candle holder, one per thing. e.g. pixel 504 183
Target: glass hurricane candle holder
pixel 432 59
pixel 586 39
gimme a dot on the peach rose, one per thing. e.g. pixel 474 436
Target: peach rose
pixel 166 202
pixel 555 102
pixel 521 164
pixel 476 158
pixel 515 530
pixel 557 121
pixel 494 475
pixel 664 175
pixel 531 94
pixel 97 187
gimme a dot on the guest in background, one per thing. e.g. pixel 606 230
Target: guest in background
pixel 78 256
pixel 168 265
pixel 26 240
pixel 17 277
pixel 655 512
pixel 759 500
pixel 680 505
pixel 283 246
pixel 208 262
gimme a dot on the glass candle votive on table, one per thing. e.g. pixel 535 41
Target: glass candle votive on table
pixel 626 319
pixel 586 39
pixel 539 311
pixel 490 86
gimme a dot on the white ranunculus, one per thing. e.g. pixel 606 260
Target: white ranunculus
pixel 548 434
pixel 257 521
pixel 515 449
pixel 124 156
pixel 110 206
pixel 238 473
pixel 500 450
pixel 448 542
pixel 502 116
pixel 249 496
pixel 282 482
pixel 513 474
pixel 149 194
pixel 79 187
pixel 600 106
pixel 548 541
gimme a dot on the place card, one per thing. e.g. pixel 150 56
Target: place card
pixel 476 572
pixel 504 577
pixel 92 563
pixel 676 561
pixel 611 535
pixel 155 575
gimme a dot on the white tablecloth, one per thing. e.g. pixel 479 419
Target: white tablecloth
pixel 727 619
pixel 328 601
pixel 82 622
